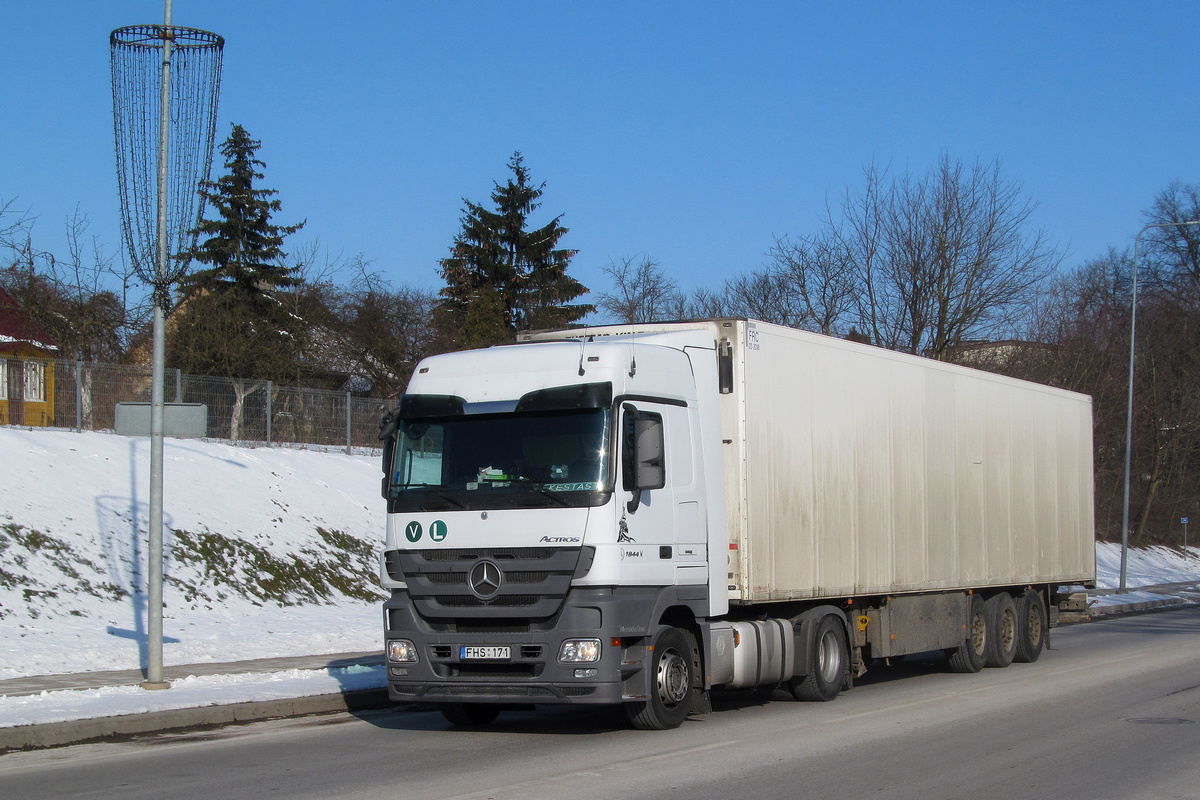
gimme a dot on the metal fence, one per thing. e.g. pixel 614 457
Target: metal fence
pixel 84 396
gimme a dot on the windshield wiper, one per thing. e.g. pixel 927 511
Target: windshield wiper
pixel 397 488
pixel 541 487
pixel 448 499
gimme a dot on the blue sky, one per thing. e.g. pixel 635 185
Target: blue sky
pixel 690 133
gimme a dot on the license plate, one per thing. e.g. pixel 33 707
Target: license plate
pixel 490 652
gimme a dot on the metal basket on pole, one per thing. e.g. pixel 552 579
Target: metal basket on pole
pixel 166 81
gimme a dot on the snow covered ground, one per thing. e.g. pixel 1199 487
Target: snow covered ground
pixel 1146 567
pixel 270 546
pixel 253 532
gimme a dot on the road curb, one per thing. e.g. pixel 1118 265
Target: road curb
pixel 57 734
pixel 1137 608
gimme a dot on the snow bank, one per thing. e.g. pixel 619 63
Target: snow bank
pixel 1148 566
pixel 271 552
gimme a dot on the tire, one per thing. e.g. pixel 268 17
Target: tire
pixel 470 715
pixel 1032 628
pixel 828 664
pixel 1002 630
pixel 968 657
pixel 672 674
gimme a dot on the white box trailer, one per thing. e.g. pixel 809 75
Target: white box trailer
pixel 640 514
pixel 854 470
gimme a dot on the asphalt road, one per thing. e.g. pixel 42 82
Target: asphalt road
pixel 1113 711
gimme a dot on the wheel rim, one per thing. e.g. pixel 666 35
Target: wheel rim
pixel 673 679
pixel 979 632
pixel 1035 625
pixel 829 658
pixel 1008 630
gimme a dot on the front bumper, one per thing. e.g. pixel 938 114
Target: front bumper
pixel 532 673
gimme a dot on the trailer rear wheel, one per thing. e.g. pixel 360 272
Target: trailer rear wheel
pixel 968 657
pixel 470 715
pixel 1002 630
pixel 828 664
pixel 671 674
pixel 1031 626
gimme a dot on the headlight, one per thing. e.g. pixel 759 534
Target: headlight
pixel 401 650
pixel 576 650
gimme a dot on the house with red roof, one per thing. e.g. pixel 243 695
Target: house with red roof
pixel 26 367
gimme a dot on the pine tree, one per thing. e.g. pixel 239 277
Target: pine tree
pixel 500 277
pixel 243 246
pixel 233 322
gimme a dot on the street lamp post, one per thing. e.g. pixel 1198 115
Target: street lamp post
pixel 1129 406
pixel 164 142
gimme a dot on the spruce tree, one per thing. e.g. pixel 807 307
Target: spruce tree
pixel 501 277
pixel 231 322
pixel 242 245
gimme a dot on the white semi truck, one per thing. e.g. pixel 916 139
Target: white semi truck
pixel 639 514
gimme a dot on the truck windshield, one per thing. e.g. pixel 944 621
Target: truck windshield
pixel 511 460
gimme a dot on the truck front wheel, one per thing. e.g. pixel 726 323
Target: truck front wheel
pixel 670 664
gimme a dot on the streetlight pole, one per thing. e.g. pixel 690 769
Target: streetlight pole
pixel 1129 406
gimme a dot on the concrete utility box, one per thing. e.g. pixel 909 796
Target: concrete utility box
pixel 181 420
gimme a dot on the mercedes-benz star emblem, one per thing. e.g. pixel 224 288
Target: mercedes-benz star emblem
pixel 485 579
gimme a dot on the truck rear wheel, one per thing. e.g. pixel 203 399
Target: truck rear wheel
pixel 470 715
pixel 828 664
pixel 1002 630
pixel 1031 626
pixel 670 669
pixel 968 657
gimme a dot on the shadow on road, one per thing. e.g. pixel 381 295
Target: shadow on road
pixel 557 720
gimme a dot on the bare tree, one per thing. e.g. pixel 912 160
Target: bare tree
pixel 382 331
pixel 916 263
pixel 14 223
pixel 1172 259
pixel 858 232
pixel 761 295
pixel 705 303
pixel 814 279
pixel 86 300
pixel 641 292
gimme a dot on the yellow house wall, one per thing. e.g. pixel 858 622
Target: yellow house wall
pixel 37 413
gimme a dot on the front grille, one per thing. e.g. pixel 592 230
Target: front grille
pixel 490 626
pixel 470 601
pixel 523 553
pixel 526 577
pixel 464 670
pixel 534 581
pixel 479 690
pixel 406 688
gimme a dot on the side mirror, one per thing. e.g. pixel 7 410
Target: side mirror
pixel 643 463
pixel 387 435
